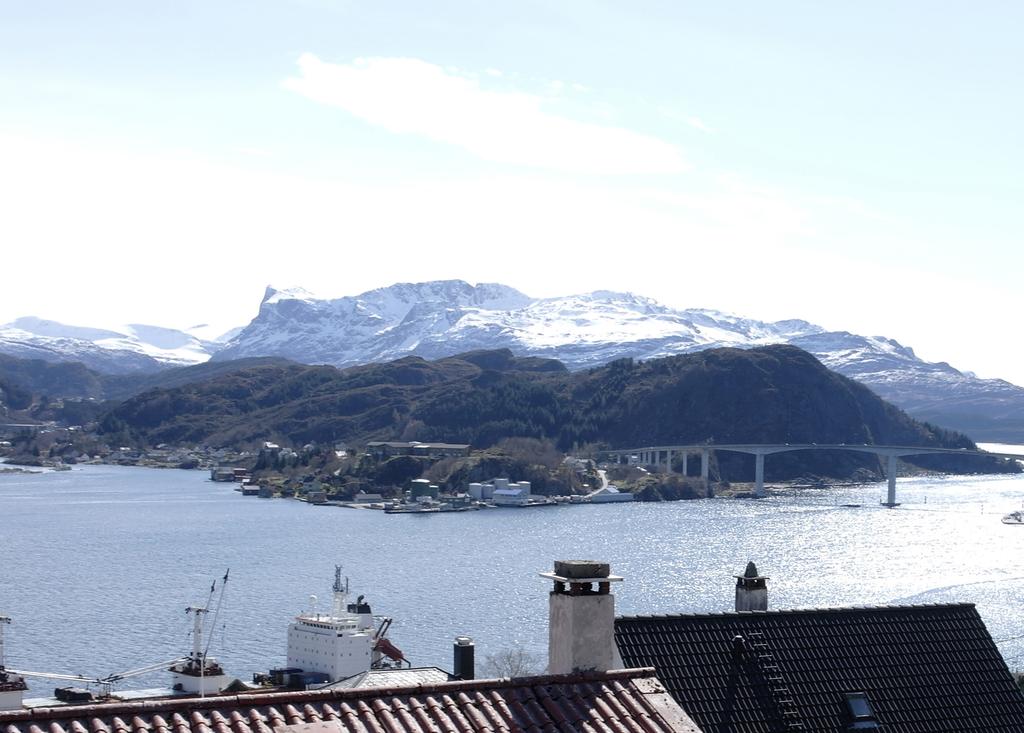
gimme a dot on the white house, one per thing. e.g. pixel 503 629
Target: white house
pixel 608 494
pixel 512 494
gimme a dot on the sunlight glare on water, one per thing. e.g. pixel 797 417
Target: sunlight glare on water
pixel 100 562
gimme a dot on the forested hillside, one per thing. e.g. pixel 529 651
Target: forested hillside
pixel 771 394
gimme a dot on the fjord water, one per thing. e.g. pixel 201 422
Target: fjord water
pixel 98 564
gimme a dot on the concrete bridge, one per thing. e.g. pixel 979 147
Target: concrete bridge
pixel 652 456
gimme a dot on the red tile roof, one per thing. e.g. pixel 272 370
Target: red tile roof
pixel 623 701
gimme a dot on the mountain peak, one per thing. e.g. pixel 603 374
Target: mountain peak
pixel 275 295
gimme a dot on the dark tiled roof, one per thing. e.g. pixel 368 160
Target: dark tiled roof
pixel 923 668
pixel 624 701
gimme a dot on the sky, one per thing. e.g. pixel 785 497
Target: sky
pixel 856 165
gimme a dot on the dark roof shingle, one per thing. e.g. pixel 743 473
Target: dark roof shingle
pixel 923 668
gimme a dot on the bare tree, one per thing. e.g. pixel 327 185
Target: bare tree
pixel 533 451
pixel 512 662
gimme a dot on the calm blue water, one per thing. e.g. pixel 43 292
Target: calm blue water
pixel 98 564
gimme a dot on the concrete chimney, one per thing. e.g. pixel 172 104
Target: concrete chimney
pixel 751 590
pixel 464 665
pixel 581 617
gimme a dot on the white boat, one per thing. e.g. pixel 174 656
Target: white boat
pixel 1014 518
pixel 199 673
pixel 323 648
pixel 195 674
pixel 328 647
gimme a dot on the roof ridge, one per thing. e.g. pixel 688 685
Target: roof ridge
pixel 261 699
pixel 801 610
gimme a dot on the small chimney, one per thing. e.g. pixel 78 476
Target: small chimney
pixel 581 617
pixel 463 666
pixel 751 590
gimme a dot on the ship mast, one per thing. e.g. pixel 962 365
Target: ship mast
pixel 197 632
pixel 340 593
pixel 4 621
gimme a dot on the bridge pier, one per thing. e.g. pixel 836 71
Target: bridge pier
pixel 890 498
pixel 685 455
pixel 759 476
pixel 668 461
pixel 705 470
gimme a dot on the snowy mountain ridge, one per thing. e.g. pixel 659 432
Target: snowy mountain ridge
pixel 441 318
pixel 134 347
pixel 444 317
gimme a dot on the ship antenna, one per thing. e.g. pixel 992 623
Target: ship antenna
pixel 213 589
pixel 216 613
pixel 337 581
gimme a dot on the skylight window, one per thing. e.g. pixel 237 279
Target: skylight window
pixel 862 714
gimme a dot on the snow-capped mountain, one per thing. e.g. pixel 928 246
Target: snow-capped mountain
pixel 985 409
pixel 441 318
pixel 447 317
pixel 134 347
pixel 388 323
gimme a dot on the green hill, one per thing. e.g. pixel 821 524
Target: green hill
pixel 771 394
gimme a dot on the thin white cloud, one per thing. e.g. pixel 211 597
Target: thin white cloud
pixel 410 96
pixel 693 121
pixel 699 124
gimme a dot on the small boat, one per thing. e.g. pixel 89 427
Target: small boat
pixel 1014 518
pixel 409 509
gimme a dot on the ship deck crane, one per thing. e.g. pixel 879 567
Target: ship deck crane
pixel 106 683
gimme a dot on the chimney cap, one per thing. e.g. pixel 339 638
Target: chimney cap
pixel 582 568
pixel 581 571
pixel 751 573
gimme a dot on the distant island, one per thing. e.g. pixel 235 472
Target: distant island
pixel 517 417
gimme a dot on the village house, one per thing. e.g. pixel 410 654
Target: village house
pixel 389 449
pixel 895 669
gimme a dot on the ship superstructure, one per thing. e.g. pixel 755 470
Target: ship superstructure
pixel 199 673
pixel 12 685
pixel 326 647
